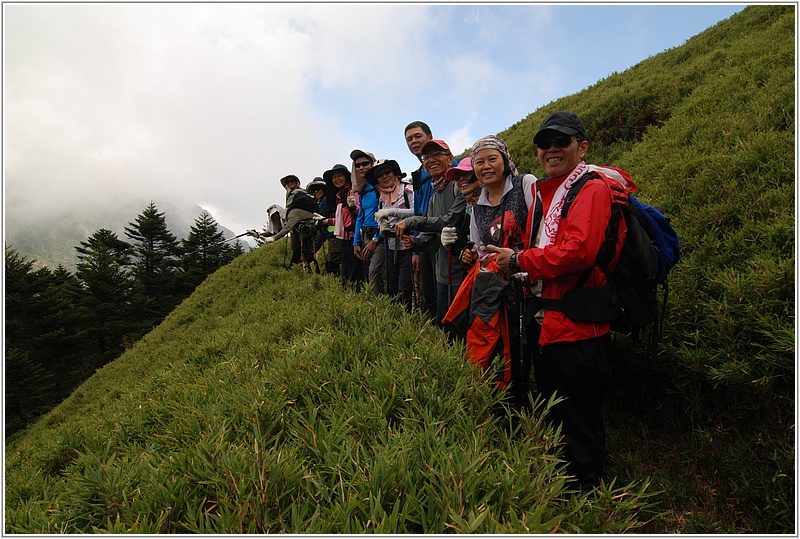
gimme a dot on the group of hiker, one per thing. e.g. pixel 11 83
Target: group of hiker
pixel 480 248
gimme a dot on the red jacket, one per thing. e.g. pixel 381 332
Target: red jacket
pixel 578 240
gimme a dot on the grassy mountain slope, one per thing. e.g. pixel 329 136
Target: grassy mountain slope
pixel 274 401
pixel 707 130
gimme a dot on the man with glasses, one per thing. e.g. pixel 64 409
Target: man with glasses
pixel 446 207
pixel 366 239
pixel 572 357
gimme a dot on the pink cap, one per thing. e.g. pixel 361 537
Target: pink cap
pixel 464 165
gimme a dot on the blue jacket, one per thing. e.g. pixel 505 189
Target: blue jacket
pixel 366 213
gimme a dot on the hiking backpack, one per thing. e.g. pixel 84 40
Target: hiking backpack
pixel 651 249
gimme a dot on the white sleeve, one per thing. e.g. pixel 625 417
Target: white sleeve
pixel 530 194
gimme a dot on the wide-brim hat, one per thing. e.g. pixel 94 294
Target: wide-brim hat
pixel 434 145
pixel 316 183
pixel 465 165
pixel 287 179
pixel 564 122
pixel 372 174
pixel 328 175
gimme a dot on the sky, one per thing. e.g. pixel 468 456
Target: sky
pixel 212 103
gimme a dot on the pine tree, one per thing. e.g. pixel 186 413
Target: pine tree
pixel 21 284
pixel 156 252
pixel 205 250
pixel 62 325
pixel 32 368
pixel 110 291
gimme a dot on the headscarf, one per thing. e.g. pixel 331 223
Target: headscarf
pixel 494 143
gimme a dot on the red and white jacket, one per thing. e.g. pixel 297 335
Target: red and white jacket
pixel 577 241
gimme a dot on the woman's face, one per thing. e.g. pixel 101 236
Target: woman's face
pixel 473 193
pixel 386 178
pixel 488 166
pixel 339 179
pixel 559 159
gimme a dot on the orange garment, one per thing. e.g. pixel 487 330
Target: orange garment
pixel 478 315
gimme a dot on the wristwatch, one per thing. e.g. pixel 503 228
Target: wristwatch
pixel 513 264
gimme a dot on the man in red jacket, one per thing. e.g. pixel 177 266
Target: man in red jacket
pixel 572 359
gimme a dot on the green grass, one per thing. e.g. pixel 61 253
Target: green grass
pixel 275 401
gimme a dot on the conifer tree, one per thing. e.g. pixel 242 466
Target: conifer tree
pixel 110 290
pixel 156 252
pixel 206 250
pixel 30 372
pixel 61 325
pixel 20 287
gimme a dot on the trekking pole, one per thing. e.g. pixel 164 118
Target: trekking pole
pixel 449 275
pixel 217 243
pixel 520 280
pixel 314 249
pixel 303 260
pixel 386 262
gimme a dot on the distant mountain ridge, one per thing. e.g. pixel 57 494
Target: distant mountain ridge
pixel 53 243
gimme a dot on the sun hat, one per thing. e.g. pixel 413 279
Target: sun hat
pixel 380 165
pixel 328 175
pixel 287 179
pixel 316 183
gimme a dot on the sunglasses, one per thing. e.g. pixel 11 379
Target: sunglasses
pixel 361 164
pixel 562 141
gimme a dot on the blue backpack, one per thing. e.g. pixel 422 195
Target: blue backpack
pixel 661 234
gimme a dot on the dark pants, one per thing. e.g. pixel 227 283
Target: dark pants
pixel 444 297
pixel 578 371
pixel 399 277
pixel 342 261
pixel 303 247
pixel 427 278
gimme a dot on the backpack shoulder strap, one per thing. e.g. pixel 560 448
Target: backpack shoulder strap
pixel 574 190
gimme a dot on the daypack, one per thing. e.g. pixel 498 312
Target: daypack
pixel 651 249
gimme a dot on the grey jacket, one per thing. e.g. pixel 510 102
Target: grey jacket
pixel 444 209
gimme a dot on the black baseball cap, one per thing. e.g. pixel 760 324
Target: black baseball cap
pixel 564 122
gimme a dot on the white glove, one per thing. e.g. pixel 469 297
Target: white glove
pixel 449 236
pixel 318 217
pixel 254 233
pixel 269 239
pixel 351 201
pixel 383 214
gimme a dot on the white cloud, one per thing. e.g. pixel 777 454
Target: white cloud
pixel 215 102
